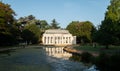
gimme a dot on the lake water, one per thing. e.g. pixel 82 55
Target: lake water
pixel 38 58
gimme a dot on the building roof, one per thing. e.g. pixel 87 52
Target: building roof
pixel 56 31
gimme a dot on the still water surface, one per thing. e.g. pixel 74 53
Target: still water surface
pixel 38 59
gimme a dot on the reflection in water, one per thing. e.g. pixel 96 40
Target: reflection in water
pixel 8 52
pixel 59 60
pixel 57 52
pixel 38 59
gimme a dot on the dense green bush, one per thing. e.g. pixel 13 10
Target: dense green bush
pixel 104 62
pixel 75 57
pixel 86 57
pixel 107 62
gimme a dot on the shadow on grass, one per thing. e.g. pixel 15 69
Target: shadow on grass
pixel 7 52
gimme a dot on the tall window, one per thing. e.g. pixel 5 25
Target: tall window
pixel 51 39
pixel 66 39
pixel 44 39
pixel 48 40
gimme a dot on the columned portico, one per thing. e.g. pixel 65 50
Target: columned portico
pixel 58 37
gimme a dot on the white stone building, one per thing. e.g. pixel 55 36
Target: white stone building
pixel 58 37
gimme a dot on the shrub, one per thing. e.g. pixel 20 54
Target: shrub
pixel 75 57
pixel 106 62
pixel 86 57
pixel 102 62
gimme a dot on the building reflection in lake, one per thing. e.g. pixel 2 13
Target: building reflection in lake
pixel 57 52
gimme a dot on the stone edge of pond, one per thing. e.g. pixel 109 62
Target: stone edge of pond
pixel 71 49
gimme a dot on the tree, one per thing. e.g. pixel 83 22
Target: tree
pixel 83 31
pixel 6 14
pixel 31 33
pixel 7 36
pixel 42 24
pixel 29 20
pixel 108 33
pixel 30 17
pixel 54 24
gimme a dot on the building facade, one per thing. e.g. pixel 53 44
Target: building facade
pixel 58 37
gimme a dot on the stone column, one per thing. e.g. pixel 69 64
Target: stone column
pixel 53 39
pixel 50 39
pixel 47 40
pixel 43 40
pixel 56 40
pixel 61 40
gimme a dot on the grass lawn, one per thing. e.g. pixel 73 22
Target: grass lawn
pixel 97 49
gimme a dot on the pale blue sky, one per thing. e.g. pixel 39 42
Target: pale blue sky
pixel 64 11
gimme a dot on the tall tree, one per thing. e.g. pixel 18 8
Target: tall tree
pixel 42 24
pixel 30 20
pixel 31 33
pixel 6 14
pixel 109 31
pixel 83 31
pixel 7 36
pixel 31 17
pixel 54 24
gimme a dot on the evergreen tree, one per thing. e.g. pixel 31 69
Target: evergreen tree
pixel 54 25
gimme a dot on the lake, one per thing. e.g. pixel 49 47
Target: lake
pixel 37 58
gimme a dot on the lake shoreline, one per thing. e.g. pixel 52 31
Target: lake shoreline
pixel 71 49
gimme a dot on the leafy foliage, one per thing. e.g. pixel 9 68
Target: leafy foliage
pixel 6 14
pixel 83 30
pixel 86 57
pixel 42 25
pixel 8 30
pixel 108 33
pixel 106 62
pixel 31 33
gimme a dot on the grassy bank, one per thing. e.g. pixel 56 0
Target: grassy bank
pixel 98 49
pixel 107 60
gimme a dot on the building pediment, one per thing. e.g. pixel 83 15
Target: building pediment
pixel 56 31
